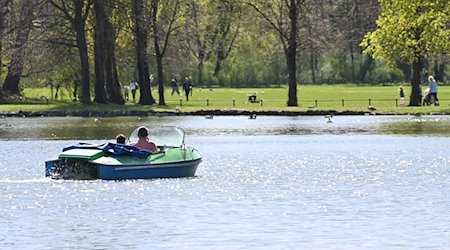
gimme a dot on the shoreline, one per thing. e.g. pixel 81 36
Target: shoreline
pixel 217 112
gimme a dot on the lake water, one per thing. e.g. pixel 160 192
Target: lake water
pixel 362 182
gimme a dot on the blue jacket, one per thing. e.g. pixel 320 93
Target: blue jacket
pixel 433 86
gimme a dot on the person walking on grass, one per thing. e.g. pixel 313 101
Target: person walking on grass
pixel 187 86
pixel 133 87
pixel 174 84
pixel 432 84
pixel 402 96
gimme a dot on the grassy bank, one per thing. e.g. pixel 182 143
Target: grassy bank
pixel 311 97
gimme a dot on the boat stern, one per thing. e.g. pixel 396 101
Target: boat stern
pixel 74 164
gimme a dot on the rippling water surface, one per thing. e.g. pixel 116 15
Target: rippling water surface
pixel 269 183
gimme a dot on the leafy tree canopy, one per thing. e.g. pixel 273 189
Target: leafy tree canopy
pixel 409 30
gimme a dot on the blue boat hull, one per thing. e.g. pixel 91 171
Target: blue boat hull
pixel 148 171
pixel 120 172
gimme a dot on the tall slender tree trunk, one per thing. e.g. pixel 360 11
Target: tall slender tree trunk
pixel 439 70
pixel 99 52
pixel 415 82
pixel 312 63
pixel 292 81
pixel 160 81
pixel 158 53
pixel 79 25
pixel 15 68
pixel 291 54
pixel 352 63
pixel 141 32
pixel 200 67
pixel 217 68
pixel 228 10
pixel 112 84
pixel 220 58
pixel 364 68
pixel 2 16
pixel 3 8
pixel 1 48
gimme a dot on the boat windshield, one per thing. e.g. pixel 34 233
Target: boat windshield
pixel 169 136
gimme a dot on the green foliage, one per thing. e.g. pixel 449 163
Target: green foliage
pixel 409 30
pixel 406 30
pixel 245 68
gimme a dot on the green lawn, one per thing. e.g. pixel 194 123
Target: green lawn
pixel 311 97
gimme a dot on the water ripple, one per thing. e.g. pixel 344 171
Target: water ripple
pixel 250 192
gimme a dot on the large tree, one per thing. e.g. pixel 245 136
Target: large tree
pixel 228 24
pixel 24 21
pixel 112 85
pixel 352 19
pixel 76 11
pixel 200 33
pixel 99 51
pixel 411 31
pixel 141 35
pixel 164 22
pixel 283 17
pixel 3 11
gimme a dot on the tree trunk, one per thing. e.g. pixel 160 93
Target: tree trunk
pixel 79 23
pixel 292 71
pixel 219 60
pixel 160 81
pixel 1 48
pixel 1 38
pixel 415 82
pixel 200 67
pixel 352 63
pixel 15 68
pixel 141 32
pixel 113 89
pixel 313 67
pixel 291 54
pixel 99 52
pixel 158 53
pixel 226 36
pixel 3 9
pixel 364 68
pixel 439 70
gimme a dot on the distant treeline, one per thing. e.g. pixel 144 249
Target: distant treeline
pixel 93 48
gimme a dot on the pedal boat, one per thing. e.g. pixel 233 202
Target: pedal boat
pixel 111 161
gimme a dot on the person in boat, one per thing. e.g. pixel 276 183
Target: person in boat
pixel 143 142
pixel 120 139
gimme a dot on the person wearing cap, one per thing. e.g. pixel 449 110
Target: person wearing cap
pixel 143 142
